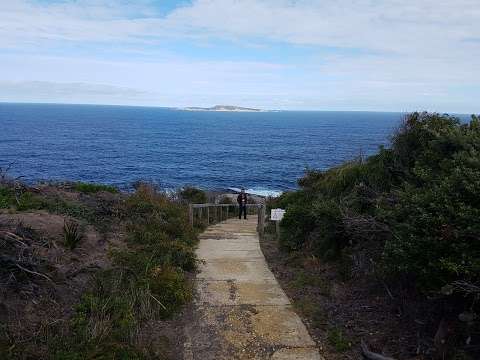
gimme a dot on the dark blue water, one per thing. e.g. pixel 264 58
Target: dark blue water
pixel 119 145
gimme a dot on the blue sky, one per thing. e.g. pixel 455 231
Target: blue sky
pixel 274 54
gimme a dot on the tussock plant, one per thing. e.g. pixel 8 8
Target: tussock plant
pixel 72 235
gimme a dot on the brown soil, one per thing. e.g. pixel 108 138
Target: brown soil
pixel 32 303
pixel 357 308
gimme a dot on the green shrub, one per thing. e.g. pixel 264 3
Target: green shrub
pixel 7 197
pixel 296 226
pixel 328 238
pixel 435 216
pixel 161 246
pixel 315 224
pixel 89 188
pixel 419 199
pixel 193 195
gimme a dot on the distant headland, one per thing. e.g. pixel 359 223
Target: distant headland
pixel 223 108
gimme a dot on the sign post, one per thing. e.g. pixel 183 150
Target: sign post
pixel 277 215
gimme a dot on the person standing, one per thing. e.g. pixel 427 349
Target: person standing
pixel 242 204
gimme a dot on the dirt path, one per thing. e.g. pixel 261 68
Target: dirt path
pixel 240 310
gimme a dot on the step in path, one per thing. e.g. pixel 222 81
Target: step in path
pixel 241 312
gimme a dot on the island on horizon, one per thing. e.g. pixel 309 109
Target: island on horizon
pixel 223 108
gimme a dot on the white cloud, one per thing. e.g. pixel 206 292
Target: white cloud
pixel 398 54
pixel 180 83
pixel 47 91
pixel 397 26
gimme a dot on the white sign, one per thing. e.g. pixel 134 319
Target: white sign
pixel 277 214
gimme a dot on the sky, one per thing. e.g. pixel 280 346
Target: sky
pixel 370 55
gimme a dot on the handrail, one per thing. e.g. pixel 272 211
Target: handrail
pixel 222 212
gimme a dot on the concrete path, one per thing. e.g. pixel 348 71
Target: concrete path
pixel 240 310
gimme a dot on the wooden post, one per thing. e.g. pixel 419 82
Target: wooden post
pixel 228 209
pixel 261 219
pixel 190 214
pixel 258 222
pixel 208 215
pixel 263 211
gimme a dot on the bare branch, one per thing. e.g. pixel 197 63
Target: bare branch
pixel 34 273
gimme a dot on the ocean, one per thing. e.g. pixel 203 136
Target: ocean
pixel 118 145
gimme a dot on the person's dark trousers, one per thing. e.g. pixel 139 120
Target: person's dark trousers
pixel 242 208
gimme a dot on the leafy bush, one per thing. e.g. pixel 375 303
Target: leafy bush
pixel 193 195
pixel 420 199
pixel 89 188
pixel 328 238
pixel 435 216
pixel 297 224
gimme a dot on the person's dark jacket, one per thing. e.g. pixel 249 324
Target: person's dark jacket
pixel 242 199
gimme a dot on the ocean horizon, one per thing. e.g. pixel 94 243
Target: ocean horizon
pixel 118 145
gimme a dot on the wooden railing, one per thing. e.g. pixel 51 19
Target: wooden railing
pixel 208 214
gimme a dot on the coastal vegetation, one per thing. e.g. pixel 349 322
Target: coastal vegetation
pixel 193 195
pixel 89 188
pixel 406 218
pixel 87 272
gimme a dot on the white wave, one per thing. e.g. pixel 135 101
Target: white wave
pixel 259 192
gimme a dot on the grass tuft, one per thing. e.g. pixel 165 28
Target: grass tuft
pixel 71 234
